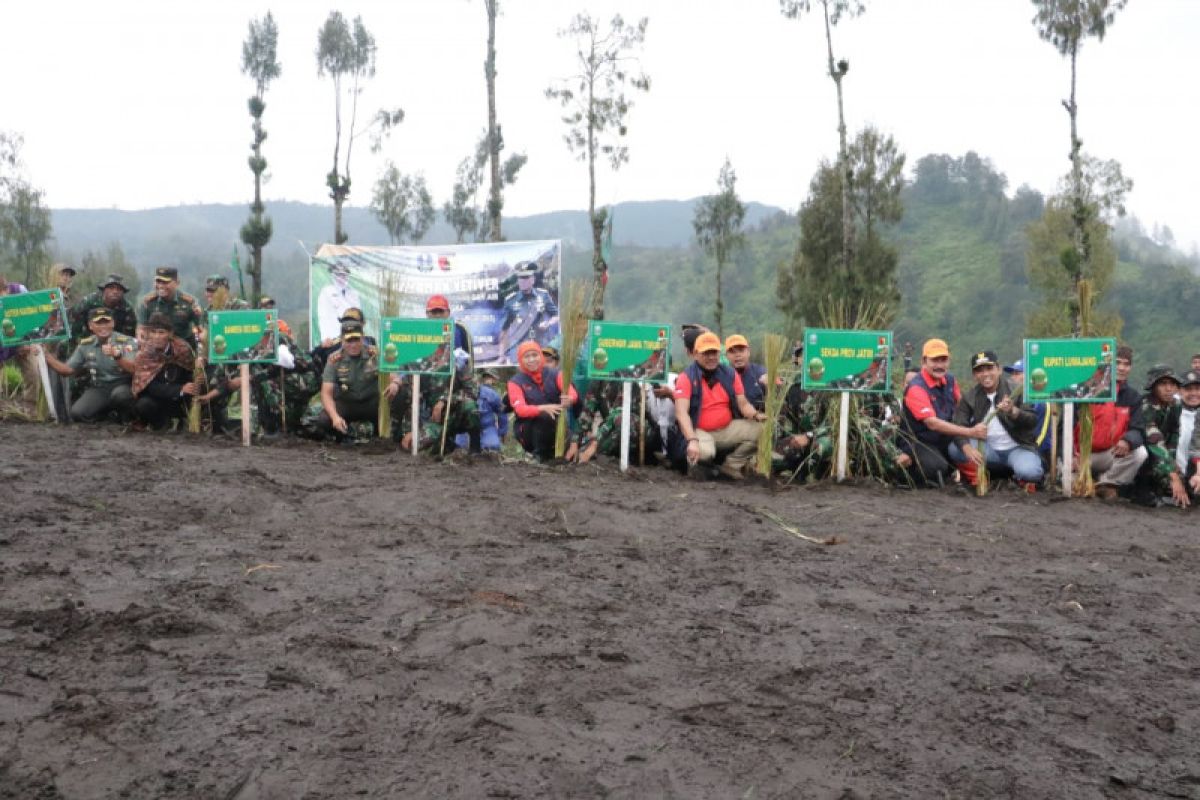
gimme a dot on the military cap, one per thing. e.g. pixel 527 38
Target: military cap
pixel 351 315
pixel 526 269
pixel 113 279
pixel 1159 372
pixel 490 373
pixel 166 274
pixel 1190 378
pixel 159 321
pixel 100 314
pixel 549 351
pixel 60 268
pixel 352 330
pixel 215 280
pixel 984 358
pixel 266 302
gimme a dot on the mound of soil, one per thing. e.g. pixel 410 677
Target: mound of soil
pixel 182 618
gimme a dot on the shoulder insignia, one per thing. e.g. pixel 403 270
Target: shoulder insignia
pixel 185 297
pixel 149 297
pixel 87 340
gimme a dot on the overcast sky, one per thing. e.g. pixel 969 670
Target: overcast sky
pixel 141 103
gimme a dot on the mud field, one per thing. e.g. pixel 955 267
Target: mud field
pixel 182 618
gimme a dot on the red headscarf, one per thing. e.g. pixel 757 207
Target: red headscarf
pixel 526 347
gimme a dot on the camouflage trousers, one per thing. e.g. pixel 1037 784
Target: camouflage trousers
pixel 463 416
pixel 282 398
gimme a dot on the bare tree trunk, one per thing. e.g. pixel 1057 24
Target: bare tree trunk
pixel 1078 210
pixel 599 267
pixel 489 71
pixel 720 302
pixel 837 73
pixel 335 181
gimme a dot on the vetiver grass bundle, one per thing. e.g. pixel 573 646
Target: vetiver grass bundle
pixel 573 324
pixel 389 306
pixel 775 358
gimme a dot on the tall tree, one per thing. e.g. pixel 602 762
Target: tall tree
pixel 259 61
pixel 597 106
pixel 817 273
pixel 833 11
pixel 25 229
pixel 462 209
pixel 718 224
pixel 499 175
pixel 403 205
pixel 1066 24
pixel 347 56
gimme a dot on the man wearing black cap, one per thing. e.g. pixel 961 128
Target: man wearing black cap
pixel 1161 413
pixel 105 359
pixel 1010 443
pixel 180 308
pixel 110 294
pixel 349 384
pixel 529 313
pixel 213 285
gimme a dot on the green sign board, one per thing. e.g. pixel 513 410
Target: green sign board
pixel 417 346
pixel 33 317
pixel 1070 370
pixel 243 337
pixel 628 351
pixel 846 361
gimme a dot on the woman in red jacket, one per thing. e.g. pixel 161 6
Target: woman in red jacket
pixel 535 394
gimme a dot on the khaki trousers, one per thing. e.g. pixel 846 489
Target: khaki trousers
pixel 1117 471
pixel 739 439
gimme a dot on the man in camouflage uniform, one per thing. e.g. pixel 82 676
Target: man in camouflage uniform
pixel 110 294
pixel 105 360
pixel 282 391
pixel 463 415
pixel 213 284
pixel 180 308
pixel 1160 476
pixel 349 386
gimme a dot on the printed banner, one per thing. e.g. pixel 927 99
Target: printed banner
pixel 243 337
pixel 503 293
pixel 628 351
pixel 1070 370
pixel 421 346
pixel 32 317
pixel 846 361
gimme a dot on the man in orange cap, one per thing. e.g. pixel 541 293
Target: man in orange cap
pixel 929 402
pixel 712 415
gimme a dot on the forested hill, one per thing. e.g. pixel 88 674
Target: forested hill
pixel 962 260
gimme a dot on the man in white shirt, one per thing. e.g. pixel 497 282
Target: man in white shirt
pixel 1010 444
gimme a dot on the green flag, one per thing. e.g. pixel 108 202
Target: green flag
pixel 607 243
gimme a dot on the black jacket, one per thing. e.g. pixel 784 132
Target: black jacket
pixel 973 408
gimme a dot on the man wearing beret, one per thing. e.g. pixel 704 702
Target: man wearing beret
pixel 180 308
pixel 106 361
pixel 110 294
pixel 350 384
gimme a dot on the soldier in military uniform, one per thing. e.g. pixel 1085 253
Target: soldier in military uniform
pixel 213 284
pixel 180 308
pixel 463 413
pixel 349 384
pixel 105 359
pixel 1160 476
pixel 110 294
pixel 530 313
pixel 327 347
pixel 282 391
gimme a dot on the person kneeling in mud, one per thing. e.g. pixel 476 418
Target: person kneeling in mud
pixel 162 374
pixel 536 396
pixel 349 385
pixel 712 413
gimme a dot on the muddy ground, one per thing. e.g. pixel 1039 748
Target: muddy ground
pixel 187 619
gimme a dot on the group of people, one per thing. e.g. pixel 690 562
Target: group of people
pixel 144 365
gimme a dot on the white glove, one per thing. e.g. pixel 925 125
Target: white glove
pixel 286 359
